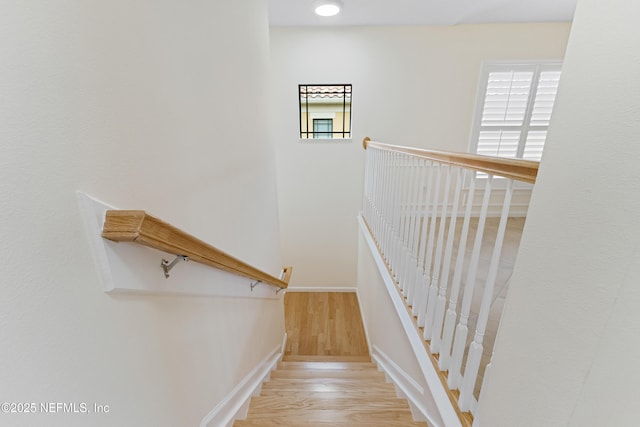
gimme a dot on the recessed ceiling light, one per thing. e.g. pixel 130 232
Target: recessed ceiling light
pixel 327 7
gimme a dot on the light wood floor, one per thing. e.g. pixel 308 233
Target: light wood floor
pixel 326 378
pixel 323 394
pixel 324 325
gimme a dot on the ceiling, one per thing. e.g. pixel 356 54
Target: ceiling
pixel 422 12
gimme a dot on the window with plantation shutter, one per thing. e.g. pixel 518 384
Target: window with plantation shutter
pixel 515 102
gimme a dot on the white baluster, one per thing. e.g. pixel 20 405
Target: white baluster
pixel 406 211
pixel 462 329
pixel 380 193
pixel 395 193
pixel 413 217
pixel 398 219
pixel 386 172
pixel 433 289
pixel 399 211
pixel 418 288
pixel 374 225
pixel 385 178
pixel 414 274
pixel 452 314
pixel 419 209
pixel 388 208
pixel 394 211
pixel 412 174
pixel 475 350
pixel 371 158
pixel 375 216
pixel 411 184
pixel 403 197
pixel 428 262
pixel 438 318
pixel 375 194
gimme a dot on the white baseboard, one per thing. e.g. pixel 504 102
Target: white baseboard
pixel 364 324
pixel 284 345
pixel 321 289
pixel 406 386
pixel 236 403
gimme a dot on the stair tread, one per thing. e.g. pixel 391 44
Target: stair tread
pixel 329 393
pixel 341 401
pixel 362 374
pixel 333 415
pixel 318 365
pixel 285 422
pixel 326 385
pixel 315 358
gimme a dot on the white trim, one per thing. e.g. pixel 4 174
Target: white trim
pixel 235 404
pixel 323 115
pixel 284 345
pixel 93 219
pixel 127 268
pixel 436 389
pixel 321 289
pixel 364 324
pixel 406 386
pixel 325 140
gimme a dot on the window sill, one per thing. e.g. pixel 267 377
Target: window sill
pixel 325 140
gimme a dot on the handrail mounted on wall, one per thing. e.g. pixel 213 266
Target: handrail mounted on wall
pixel 139 227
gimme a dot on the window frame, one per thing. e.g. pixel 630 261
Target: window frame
pixel 488 67
pixel 307 134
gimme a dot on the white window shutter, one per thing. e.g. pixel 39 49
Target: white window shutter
pixel 516 110
pixel 534 145
pixel 545 98
pixel 502 143
pixel 506 99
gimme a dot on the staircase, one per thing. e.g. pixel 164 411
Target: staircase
pixel 316 394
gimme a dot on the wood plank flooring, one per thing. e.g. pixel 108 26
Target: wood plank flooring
pixel 325 325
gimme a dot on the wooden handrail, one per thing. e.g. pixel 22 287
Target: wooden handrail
pixel 518 169
pixel 140 227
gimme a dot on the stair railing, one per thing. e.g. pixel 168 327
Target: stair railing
pixel 427 211
pixel 139 227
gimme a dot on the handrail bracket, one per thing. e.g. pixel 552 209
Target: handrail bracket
pixel 167 266
pixel 254 284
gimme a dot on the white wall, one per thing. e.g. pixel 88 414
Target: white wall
pixel 411 86
pixel 385 329
pixel 567 351
pixel 148 105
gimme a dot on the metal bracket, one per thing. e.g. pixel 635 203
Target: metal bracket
pixel 257 282
pixel 167 266
pixel 253 285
